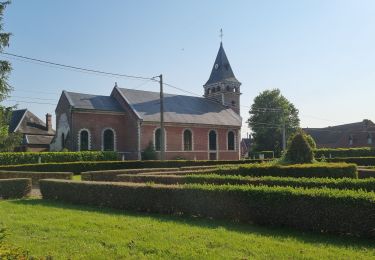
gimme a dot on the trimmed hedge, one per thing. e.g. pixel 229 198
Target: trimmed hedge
pixel 366 173
pixel 362 161
pixel 112 174
pixel 78 167
pixel 341 184
pixel 15 188
pixel 344 152
pixel 15 158
pixel 321 210
pixel 36 176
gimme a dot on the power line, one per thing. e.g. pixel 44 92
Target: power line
pixel 75 67
pixel 30 102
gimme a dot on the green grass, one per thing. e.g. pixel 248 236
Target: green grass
pixel 77 178
pixel 67 231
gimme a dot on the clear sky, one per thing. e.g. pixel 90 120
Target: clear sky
pixel 321 54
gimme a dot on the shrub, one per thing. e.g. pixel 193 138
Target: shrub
pixel 36 176
pixel 342 184
pixel 112 174
pixel 299 150
pixel 46 157
pixel 78 167
pixel 321 210
pixel 344 152
pixel 149 153
pixel 15 188
pixel 362 161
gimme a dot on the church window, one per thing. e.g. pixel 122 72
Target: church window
pixel 369 139
pixel 188 144
pixel 218 88
pixel 84 140
pixel 157 139
pixel 228 88
pixel 213 90
pixel 108 140
pixel 233 103
pixel 231 142
pixel 62 140
pixel 350 140
pixel 212 140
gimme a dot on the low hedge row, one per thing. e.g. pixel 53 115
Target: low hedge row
pixel 366 173
pixel 112 174
pixel 362 161
pixel 321 210
pixel 344 152
pixel 15 188
pixel 78 167
pixel 15 158
pixel 341 184
pixel 35 176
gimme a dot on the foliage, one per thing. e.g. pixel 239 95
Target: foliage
pixel 344 152
pixel 149 153
pixel 8 141
pixel 362 161
pixel 267 114
pixel 13 158
pixel 216 179
pixel 266 154
pixel 14 188
pixel 310 140
pixel 78 167
pixel 35 176
pixel 299 150
pixel 90 233
pixel 322 210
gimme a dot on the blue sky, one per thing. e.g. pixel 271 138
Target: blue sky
pixel 321 54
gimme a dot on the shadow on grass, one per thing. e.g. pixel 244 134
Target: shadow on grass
pixel 273 232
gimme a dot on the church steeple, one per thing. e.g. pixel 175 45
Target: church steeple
pixel 222 86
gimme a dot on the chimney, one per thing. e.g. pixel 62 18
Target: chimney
pixel 48 122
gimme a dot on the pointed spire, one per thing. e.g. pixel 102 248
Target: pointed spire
pixel 221 71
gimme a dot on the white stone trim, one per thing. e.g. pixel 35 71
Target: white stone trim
pixel 88 136
pixel 114 138
pixel 154 139
pixel 192 139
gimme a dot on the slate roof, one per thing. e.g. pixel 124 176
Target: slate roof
pixel 26 122
pixel 338 136
pixel 221 71
pixel 15 119
pixel 93 102
pixel 38 139
pixel 180 109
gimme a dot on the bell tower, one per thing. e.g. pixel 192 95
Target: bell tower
pixel 222 86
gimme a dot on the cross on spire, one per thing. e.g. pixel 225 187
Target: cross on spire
pixel 221 35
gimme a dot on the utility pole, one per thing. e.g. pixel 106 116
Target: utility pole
pixel 284 132
pixel 162 141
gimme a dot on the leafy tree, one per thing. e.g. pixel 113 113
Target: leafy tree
pixel 8 141
pixel 299 149
pixel 267 115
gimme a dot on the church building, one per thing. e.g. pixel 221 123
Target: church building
pixel 128 120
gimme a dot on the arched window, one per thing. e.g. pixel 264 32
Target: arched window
pixel 212 140
pixel 228 88
pixel 231 143
pixel 62 140
pixel 350 140
pixel 369 138
pixel 188 144
pixel 218 88
pixel 84 140
pixel 233 103
pixel 157 141
pixel 108 140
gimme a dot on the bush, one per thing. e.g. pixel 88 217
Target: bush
pixel 266 154
pixel 112 174
pixel 344 152
pixel 149 153
pixel 46 157
pixel 299 150
pixel 321 210
pixel 36 176
pixel 341 184
pixel 78 167
pixel 317 170
pixel 362 161
pixel 15 188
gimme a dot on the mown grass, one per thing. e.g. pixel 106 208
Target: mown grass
pixel 67 231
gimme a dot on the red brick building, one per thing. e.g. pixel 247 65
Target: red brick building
pixel 128 120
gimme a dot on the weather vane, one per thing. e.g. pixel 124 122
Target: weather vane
pixel 221 34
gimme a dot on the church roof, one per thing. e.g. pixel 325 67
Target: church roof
pixel 179 108
pixel 221 71
pixel 24 121
pixel 93 102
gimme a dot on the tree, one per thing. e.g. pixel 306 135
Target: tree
pixel 299 149
pixel 8 141
pixel 267 115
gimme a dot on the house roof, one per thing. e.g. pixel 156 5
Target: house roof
pixel 38 139
pixel 221 70
pixel 26 122
pixel 93 102
pixel 179 108
pixel 338 136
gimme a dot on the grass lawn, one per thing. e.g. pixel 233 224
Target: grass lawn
pixel 67 231
pixel 77 177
